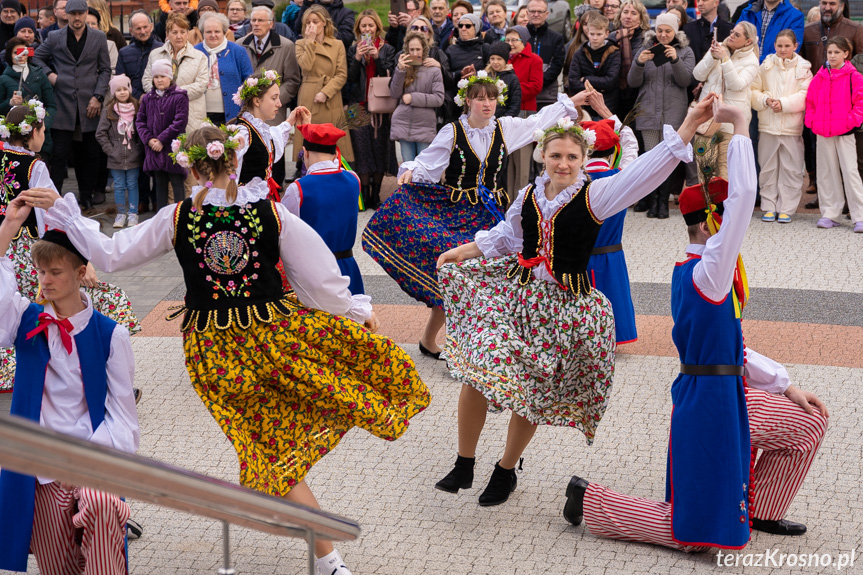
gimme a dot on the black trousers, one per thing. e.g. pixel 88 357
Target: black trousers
pixel 85 156
pixel 162 179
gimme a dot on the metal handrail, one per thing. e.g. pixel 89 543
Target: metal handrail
pixel 26 447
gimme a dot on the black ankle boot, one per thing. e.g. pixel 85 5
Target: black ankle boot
pixel 375 196
pixel 501 484
pixel 653 208
pixel 662 205
pixel 573 510
pixel 642 206
pixel 366 193
pixel 461 476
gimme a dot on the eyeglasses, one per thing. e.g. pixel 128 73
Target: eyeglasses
pixel 419 28
pixel 537 12
pixel 236 9
pixel 513 40
pixel 467 25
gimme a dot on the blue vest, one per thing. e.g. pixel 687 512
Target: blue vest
pixel 709 445
pixel 608 272
pixel 328 203
pixel 17 491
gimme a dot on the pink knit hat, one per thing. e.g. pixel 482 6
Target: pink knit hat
pixel 119 81
pixel 163 68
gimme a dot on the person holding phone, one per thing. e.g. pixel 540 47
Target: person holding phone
pixel 662 96
pixel 374 151
pixel 400 15
pixel 21 82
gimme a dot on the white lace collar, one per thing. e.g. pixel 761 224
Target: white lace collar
pixel 471 131
pixel 245 195
pixel 548 207
pixel 19 149
pixel 260 125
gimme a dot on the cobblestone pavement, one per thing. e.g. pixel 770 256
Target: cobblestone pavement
pixel 806 311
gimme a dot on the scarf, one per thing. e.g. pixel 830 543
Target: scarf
pixel 126 122
pixel 176 58
pixel 371 69
pixel 213 62
pixel 24 70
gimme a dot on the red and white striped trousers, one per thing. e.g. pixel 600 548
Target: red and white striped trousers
pixel 60 513
pixel 789 439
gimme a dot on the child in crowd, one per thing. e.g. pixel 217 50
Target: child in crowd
pixel 116 134
pixel 834 109
pixel 499 67
pixel 779 97
pixel 597 63
pixel 74 375
pixel 162 116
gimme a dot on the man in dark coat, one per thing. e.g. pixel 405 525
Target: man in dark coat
pixel 700 32
pixel 10 12
pixel 279 28
pixel 79 57
pixel 343 19
pixel 548 45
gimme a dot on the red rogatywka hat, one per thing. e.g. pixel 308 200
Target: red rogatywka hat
pixel 692 204
pixel 321 137
pixel 606 137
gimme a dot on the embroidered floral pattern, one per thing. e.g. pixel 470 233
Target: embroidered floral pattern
pixel 285 393
pixel 543 352
pixel 9 185
pixel 107 299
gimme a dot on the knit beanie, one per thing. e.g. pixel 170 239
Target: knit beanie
pixel 14 4
pixel 522 32
pixel 163 68
pixel 499 49
pixel 211 3
pixel 669 20
pixel 120 81
pixel 473 19
pixel 25 22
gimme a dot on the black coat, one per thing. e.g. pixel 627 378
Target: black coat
pixel 355 88
pixel 699 35
pixel 605 77
pixel 464 53
pixel 513 94
pixel 159 28
pixel 551 47
pixel 132 61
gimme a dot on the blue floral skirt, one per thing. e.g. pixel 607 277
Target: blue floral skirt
pixel 414 227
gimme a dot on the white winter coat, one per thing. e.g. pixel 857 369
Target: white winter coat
pixel 731 79
pixel 786 81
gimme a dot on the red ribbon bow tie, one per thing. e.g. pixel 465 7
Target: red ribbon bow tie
pixel 64 326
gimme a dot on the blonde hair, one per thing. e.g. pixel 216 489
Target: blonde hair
pixel 104 14
pixel 639 7
pixel 369 13
pixel 208 167
pixel 324 16
pixel 46 253
pixel 750 33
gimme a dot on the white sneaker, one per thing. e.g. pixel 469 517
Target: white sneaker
pixel 120 221
pixel 132 221
pixel 332 564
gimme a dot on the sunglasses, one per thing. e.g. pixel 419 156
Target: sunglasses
pixel 468 25
pixel 419 28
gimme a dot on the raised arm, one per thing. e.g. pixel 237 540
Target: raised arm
pixel 12 302
pixel 518 132
pixel 125 250
pixel 714 274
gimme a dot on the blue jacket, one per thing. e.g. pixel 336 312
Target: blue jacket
pixel 234 67
pixel 786 16
pixel 132 60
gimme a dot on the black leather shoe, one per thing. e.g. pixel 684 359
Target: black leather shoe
pixel 573 511
pixel 662 210
pixel 781 527
pixel 98 198
pixel 428 353
pixel 501 484
pixel 642 205
pixel 461 476
pixel 813 205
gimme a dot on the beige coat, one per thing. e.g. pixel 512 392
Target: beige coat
pixel 732 79
pixel 786 81
pixel 191 75
pixel 324 68
pixel 281 57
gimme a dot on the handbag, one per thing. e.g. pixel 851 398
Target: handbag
pixel 379 99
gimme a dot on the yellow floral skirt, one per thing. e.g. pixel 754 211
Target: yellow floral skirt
pixel 286 392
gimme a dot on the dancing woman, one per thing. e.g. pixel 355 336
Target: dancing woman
pixel 23 132
pixel 284 382
pixel 423 218
pixel 525 329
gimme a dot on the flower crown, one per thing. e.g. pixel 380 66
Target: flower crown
pixel 36 115
pixel 185 156
pixel 565 125
pixel 483 78
pixel 254 87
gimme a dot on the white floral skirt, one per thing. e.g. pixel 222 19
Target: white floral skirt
pixel 107 299
pixel 543 352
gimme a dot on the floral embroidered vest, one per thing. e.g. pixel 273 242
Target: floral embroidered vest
pixel 229 256
pixel 466 171
pixel 258 160
pixel 562 243
pixel 15 170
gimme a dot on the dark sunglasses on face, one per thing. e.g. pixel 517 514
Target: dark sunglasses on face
pixel 468 25
pixel 420 28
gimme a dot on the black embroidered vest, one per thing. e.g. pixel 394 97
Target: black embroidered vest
pixel 565 241
pixel 258 160
pixel 466 170
pixel 15 170
pixel 229 256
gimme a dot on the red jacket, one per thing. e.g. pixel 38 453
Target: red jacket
pixel 528 68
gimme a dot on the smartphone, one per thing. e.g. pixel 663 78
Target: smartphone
pixel 715 35
pixel 415 61
pixel 17 93
pixel 366 39
pixel 24 49
pixel 398 6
